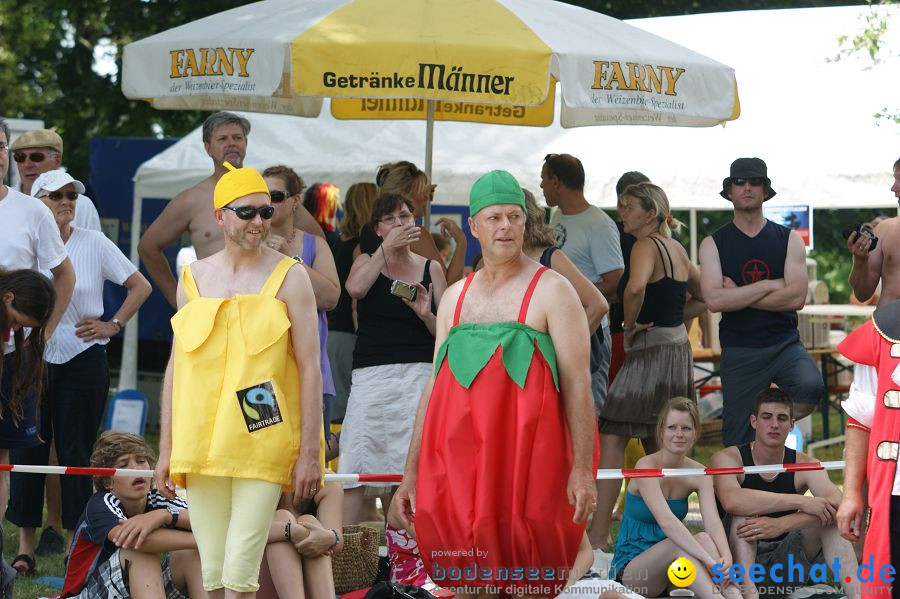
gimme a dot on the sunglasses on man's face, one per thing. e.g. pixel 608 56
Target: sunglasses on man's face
pixel 33 156
pixel 58 195
pixel 755 182
pixel 250 212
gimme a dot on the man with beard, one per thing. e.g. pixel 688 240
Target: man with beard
pixel 241 416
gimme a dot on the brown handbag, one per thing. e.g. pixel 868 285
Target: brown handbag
pixel 356 566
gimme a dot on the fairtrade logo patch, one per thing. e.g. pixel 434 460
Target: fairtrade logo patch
pixel 259 406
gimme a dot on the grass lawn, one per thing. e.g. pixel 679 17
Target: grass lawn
pixel 26 588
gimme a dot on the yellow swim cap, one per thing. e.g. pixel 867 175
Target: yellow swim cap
pixel 237 183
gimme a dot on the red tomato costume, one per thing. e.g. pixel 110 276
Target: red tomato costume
pixel 495 460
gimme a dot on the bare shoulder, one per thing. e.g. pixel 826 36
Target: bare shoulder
pixel 296 274
pixel 691 463
pixel 730 456
pixel 204 267
pixel 889 226
pixel 451 295
pixel 647 461
pixel 709 251
pixel 201 193
pixel 803 458
pixel 552 282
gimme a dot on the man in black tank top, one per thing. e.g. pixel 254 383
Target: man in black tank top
pixel 753 271
pixel 771 517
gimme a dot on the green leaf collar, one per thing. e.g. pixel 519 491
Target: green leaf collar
pixel 470 346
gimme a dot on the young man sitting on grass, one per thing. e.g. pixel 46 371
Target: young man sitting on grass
pixel 126 528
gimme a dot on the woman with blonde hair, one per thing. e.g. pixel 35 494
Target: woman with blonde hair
pixel 658 356
pixel 652 534
pixel 406 179
pixel 539 244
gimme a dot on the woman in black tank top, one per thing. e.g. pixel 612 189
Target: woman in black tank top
pixel 539 244
pixel 392 360
pixel 658 357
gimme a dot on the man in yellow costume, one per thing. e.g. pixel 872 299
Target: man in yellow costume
pixel 242 394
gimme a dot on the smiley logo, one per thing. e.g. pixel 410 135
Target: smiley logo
pixel 682 572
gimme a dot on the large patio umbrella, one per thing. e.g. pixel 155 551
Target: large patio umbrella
pixel 491 61
pixel 494 61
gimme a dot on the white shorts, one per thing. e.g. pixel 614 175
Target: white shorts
pixel 381 413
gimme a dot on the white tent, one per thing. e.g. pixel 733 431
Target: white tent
pixel 810 119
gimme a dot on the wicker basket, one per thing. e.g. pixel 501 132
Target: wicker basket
pixel 356 566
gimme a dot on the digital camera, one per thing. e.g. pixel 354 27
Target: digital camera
pixel 404 290
pixel 863 230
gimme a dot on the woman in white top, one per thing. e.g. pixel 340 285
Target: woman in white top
pixel 77 386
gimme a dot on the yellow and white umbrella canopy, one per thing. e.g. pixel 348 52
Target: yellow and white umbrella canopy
pixel 494 61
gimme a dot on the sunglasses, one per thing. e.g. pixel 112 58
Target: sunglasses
pixel 33 156
pixel 250 212
pixel 58 195
pixel 279 196
pixel 755 182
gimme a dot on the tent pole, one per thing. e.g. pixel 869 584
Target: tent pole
pixel 128 368
pixel 429 148
pixel 693 228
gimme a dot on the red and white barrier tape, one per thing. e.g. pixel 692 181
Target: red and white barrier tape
pixel 396 478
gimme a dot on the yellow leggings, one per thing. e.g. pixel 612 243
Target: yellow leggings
pixel 230 518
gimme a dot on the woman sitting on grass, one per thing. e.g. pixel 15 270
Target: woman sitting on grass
pixel 652 534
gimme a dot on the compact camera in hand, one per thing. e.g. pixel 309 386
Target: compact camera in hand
pixel 404 290
pixel 864 231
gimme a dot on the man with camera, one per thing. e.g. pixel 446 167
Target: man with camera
pixel 754 272
pixel 872 259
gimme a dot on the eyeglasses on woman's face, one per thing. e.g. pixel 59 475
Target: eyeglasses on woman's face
pixel 392 219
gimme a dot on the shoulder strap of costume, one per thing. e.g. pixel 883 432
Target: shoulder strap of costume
pixel 526 299
pixel 188 283
pixel 462 294
pixel 273 283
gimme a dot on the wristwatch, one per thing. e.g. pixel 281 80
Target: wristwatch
pixel 298 259
pixel 116 322
pixel 174 511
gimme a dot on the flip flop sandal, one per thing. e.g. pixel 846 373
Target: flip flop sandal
pixel 30 567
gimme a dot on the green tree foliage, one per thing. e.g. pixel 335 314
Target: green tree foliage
pixel 47 58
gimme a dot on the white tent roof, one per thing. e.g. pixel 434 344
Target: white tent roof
pixel 810 119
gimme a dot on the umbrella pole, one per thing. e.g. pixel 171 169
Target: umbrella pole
pixel 429 147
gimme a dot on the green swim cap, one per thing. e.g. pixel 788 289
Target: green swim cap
pixel 495 187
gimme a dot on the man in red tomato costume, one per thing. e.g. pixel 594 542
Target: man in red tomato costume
pixel 500 474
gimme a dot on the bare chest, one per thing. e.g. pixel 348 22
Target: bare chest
pixel 206 235
pixel 213 283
